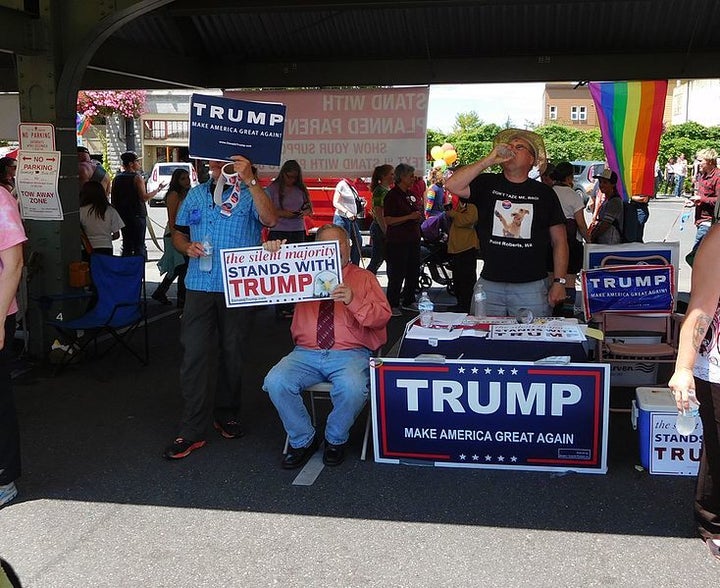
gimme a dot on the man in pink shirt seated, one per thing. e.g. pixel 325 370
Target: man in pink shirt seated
pixel 333 342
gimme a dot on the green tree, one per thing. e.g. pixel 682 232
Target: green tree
pixel 475 143
pixel 561 143
pixel 568 143
pixel 432 138
pixel 687 138
pixel 467 122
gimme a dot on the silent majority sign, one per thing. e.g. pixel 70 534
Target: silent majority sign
pixel 296 273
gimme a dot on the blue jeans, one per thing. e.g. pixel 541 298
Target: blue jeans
pixel 679 185
pixel 348 371
pixel 701 232
pixel 352 229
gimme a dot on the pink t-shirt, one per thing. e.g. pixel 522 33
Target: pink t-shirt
pixel 11 230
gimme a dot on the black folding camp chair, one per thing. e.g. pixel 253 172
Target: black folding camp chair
pixel 120 309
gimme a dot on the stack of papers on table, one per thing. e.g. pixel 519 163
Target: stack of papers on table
pixel 452 325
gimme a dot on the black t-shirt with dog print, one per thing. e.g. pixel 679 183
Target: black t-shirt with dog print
pixel 513 225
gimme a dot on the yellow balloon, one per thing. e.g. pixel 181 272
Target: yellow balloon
pixel 450 156
pixel 437 152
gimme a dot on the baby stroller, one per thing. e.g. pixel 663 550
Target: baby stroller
pixel 434 258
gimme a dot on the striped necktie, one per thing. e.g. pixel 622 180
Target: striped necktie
pixel 326 324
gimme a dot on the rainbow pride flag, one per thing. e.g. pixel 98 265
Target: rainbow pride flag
pixel 631 116
pixel 82 124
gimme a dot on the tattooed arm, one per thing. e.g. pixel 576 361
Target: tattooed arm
pixel 705 293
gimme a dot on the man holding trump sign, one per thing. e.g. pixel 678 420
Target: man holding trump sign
pixel 333 342
pixel 227 211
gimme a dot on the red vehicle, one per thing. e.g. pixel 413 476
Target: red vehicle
pixel 321 196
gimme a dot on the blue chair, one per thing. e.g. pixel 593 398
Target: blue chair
pixel 120 309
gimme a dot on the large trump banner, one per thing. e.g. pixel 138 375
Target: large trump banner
pixel 347 133
pixel 502 415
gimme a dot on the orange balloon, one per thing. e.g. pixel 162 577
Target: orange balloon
pixel 450 156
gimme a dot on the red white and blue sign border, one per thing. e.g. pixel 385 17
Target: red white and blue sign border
pixel 593 378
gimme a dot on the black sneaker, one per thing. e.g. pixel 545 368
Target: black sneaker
pixel 229 429
pixel 181 448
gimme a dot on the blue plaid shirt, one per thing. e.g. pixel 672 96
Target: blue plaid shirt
pixel 202 216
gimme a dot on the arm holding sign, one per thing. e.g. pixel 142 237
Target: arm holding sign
pixel 263 204
pixel 364 298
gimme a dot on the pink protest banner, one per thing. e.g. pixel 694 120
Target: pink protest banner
pixel 297 273
pixel 338 133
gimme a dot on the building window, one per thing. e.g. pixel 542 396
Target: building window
pixel 159 130
pixel 553 112
pixel 177 129
pixel 578 113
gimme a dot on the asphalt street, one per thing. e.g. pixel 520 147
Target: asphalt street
pixel 99 507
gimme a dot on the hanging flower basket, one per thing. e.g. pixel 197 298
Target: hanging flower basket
pixel 98 105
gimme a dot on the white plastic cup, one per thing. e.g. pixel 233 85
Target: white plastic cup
pixel 504 151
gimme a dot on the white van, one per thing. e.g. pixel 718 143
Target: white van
pixel 161 174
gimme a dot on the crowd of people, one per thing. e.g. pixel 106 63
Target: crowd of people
pixel 529 233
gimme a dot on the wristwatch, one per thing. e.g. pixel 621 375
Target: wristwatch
pixel 562 281
pixel 252 182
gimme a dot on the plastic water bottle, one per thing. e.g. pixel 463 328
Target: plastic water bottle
pixel 479 301
pixel 425 306
pixel 206 260
pixel 687 418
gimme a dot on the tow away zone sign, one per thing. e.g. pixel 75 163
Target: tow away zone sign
pixel 37 185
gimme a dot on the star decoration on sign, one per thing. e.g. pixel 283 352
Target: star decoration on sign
pixel 488 458
pixel 488 371
pixel 476 457
pixel 461 370
pixel 501 371
pixel 513 459
pixel 514 371
pixel 475 370
pixel 462 457
pixel 501 458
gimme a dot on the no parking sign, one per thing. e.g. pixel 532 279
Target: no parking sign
pixel 37 185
